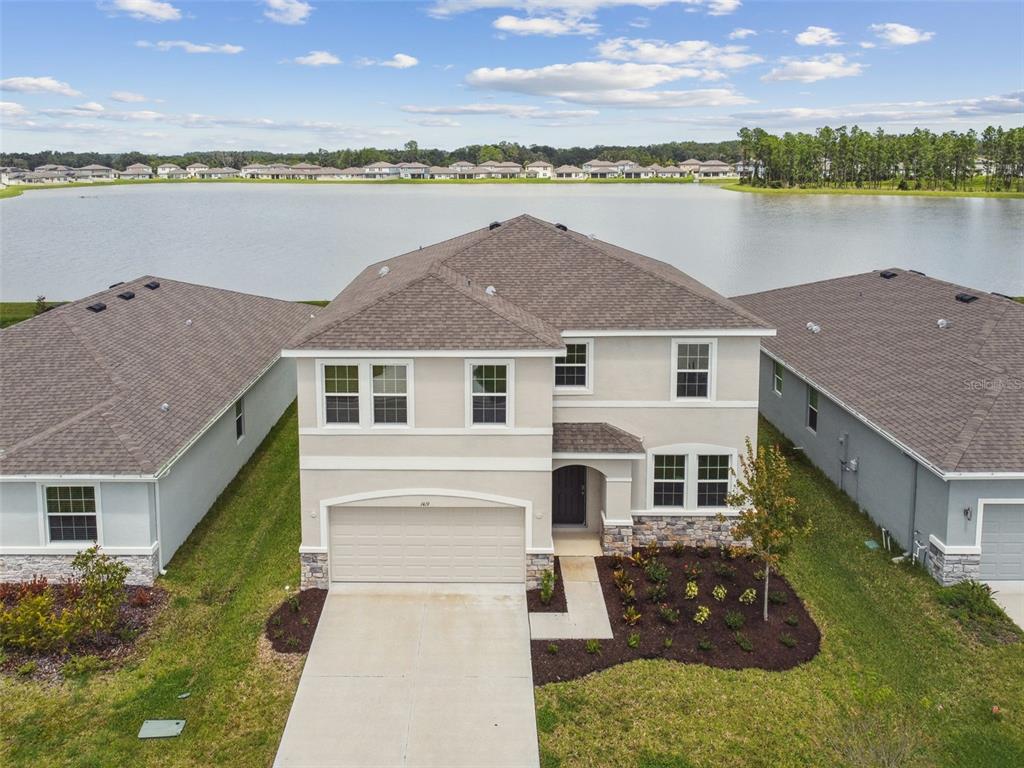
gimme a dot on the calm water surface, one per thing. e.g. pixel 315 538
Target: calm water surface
pixel 304 241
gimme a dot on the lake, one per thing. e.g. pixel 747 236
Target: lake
pixel 306 242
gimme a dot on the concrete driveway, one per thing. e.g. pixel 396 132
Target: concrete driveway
pixel 416 675
pixel 1010 595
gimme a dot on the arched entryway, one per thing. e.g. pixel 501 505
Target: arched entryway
pixel 569 496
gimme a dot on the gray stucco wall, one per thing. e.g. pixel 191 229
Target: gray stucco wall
pixel 197 478
pixel 963 531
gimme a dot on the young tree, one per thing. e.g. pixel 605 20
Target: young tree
pixel 769 517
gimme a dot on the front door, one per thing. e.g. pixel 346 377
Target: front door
pixel 569 496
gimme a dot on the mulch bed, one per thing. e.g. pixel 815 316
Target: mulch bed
pixel 290 628
pixel 138 611
pixel 572 660
pixel 557 604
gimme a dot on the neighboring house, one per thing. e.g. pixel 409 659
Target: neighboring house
pixel 137 171
pixel 639 172
pixel 11 175
pixel 218 173
pixel 125 414
pixel 672 172
pixel 250 171
pixel 711 169
pixel 95 173
pixel 600 169
pixel 908 392
pixel 194 169
pixel 330 173
pixel 413 170
pixel 46 177
pixel 690 167
pixel 382 171
pixel 171 171
pixel 569 172
pixel 539 169
pixel 438 172
pixel 352 172
pixel 461 404
pixel 52 168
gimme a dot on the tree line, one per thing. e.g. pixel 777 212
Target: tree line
pixel 921 159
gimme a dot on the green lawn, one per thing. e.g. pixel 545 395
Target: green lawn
pixel 978 190
pixel 244 552
pixel 12 312
pixel 881 626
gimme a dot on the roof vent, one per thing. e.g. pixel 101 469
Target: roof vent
pixel 917 272
pixel 965 298
pixel 188 322
pixel 888 274
pixel 152 285
pixel 943 323
pixel 490 290
pixel 383 271
pixel 494 225
pixel 127 295
pixel 116 284
pixel 562 227
pixel 99 306
pixel 814 328
pixel 165 407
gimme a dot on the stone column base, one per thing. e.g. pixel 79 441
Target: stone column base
pixel 536 564
pixel 617 539
pixel 691 531
pixel 948 569
pixel 313 570
pixel 56 568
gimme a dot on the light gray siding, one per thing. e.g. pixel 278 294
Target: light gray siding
pixel 963 529
pixel 19 515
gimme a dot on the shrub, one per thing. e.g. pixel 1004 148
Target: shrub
pixel 705 645
pixel 777 597
pixel 33 624
pixel 639 558
pixel 547 585
pixel 552 648
pixel 102 579
pixel 28 668
pixel 726 553
pixel 617 561
pixel 657 593
pixel 628 592
pixel 593 647
pixel 724 570
pixel 690 592
pixel 759 575
pixel 82 666
pixel 703 552
pixel 971 604
pixel 749 596
pixel 293 602
pixel 743 642
pixel 656 571
pixel 787 640
pixel 142 598
pixel 734 620
pixel 702 614
pixel 719 592
pixel 678 548
pixel 792 620
pixel 692 570
pixel 621 577
pixel 633 640
pixel 632 616
pixel 667 642
pixel 651 550
pixel 668 614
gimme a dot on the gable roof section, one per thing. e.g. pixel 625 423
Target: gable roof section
pixel 82 391
pixel 593 437
pixel 953 396
pixel 546 280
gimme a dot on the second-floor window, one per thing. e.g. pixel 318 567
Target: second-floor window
pixel 777 377
pixel 341 394
pixel 490 392
pixel 572 369
pixel 390 394
pixel 693 369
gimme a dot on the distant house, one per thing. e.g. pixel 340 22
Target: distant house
pixel 635 171
pixel 690 167
pixel 539 169
pixel 601 169
pixel 51 168
pixel 249 171
pixel 218 173
pixel 438 172
pixel 352 172
pixel 711 169
pixel 331 174
pixel 137 171
pixel 626 166
pixel 413 170
pixel 173 387
pixel 382 171
pixel 504 170
pixel 46 177
pixel 569 172
pixel 672 172
pixel 95 173
pixel 171 171
pixel 11 175
pixel 194 168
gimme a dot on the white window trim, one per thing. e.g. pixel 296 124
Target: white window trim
pixel 712 369
pixel 410 400
pixel 588 388
pixel 235 413
pixel 510 402
pixel 44 524
pixel 691 451
pixel 778 370
pixel 365 374
pixel 807 410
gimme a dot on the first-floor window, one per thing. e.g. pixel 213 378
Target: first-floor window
pixel 777 377
pixel 490 394
pixel 239 418
pixel 670 481
pixel 812 409
pixel 71 512
pixel 693 370
pixel 571 370
pixel 712 480
pixel 341 394
pixel 390 394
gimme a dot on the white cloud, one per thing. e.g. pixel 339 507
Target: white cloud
pixel 723 7
pixel 818 36
pixel 866 44
pixel 436 122
pixel 398 61
pixel 579 76
pixel 741 33
pixel 144 10
pixel 901 34
pixel 520 111
pixel 287 11
pixel 829 67
pixel 37 85
pixel 447 8
pixel 129 97
pixel 640 22
pixel 12 109
pixel 187 47
pixel 317 59
pixel 682 52
pixel 548 26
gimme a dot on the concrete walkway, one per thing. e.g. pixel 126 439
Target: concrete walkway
pixel 586 616
pixel 1010 596
pixel 416 675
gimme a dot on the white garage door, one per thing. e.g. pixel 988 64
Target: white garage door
pixel 427 544
pixel 1002 542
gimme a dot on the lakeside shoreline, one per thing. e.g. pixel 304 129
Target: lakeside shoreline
pixel 732 186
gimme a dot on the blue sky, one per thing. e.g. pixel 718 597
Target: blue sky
pixel 294 75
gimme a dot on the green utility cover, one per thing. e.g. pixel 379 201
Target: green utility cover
pixel 871 544
pixel 161 729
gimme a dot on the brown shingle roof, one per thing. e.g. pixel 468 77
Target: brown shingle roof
pixel 952 395
pixel 82 391
pixel 593 437
pixel 547 281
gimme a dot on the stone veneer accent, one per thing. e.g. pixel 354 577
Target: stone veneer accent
pixel 144 568
pixel 536 564
pixel 617 539
pixel 949 569
pixel 314 573
pixel 696 531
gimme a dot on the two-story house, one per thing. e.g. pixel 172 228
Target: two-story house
pixel 464 405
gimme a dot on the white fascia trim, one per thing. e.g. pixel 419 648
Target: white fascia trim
pixel 983 476
pixel 982 504
pixel 72 548
pixel 682 512
pixel 362 354
pixel 540 550
pixel 610 521
pixel 596 456
pixel 310 550
pixel 682 403
pixel 426 431
pixel 79 478
pixel 420 463
pixel 695 332
pixel 951 550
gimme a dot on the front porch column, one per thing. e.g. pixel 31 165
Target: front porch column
pixel 616 518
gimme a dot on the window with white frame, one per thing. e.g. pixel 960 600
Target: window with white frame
pixel 777 377
pixel 572 369
pixel 341 394
pixel 669 481
pixel 490 392
pixel 71 512
pixel 240 418
pixel 812 409
pixel 390 394
pixel 693 369
pixel 712 480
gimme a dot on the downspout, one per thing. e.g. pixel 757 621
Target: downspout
pixel 159 532
pixel 913 513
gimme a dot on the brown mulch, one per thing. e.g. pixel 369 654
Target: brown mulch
pixel 139 610
pixel 290 628
pixel 557 604
pixel 572 661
